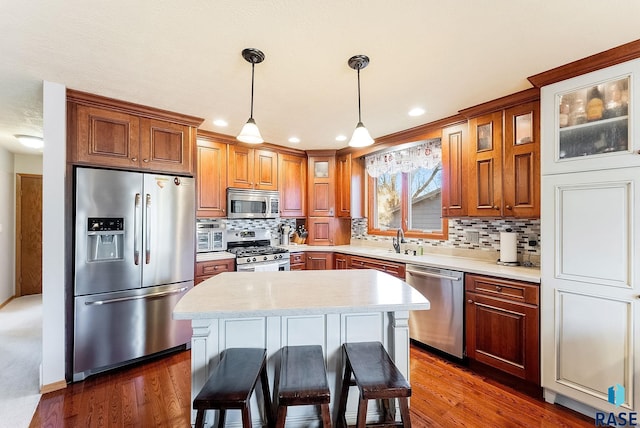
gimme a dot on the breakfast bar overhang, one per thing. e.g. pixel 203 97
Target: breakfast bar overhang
pixel 275 309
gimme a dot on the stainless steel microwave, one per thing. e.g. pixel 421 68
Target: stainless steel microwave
pixel 244 203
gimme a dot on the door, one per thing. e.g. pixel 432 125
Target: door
pixel 485 166
pixel 108 231
pixel 169 229
pixel 212 179
pixel 590 285
pixel 28 234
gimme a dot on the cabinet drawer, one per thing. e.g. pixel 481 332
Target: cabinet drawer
pixel 516 291
pixel 395 269
pixel 214 267
pixel 296 258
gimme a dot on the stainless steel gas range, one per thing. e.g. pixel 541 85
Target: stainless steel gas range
pixel 254 251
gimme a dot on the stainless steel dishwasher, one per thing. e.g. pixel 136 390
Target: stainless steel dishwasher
pixel 442 326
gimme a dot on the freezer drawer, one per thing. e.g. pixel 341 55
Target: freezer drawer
pixel 442 326
pixel 112 329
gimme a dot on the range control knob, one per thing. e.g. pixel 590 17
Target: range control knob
pixel 249 260
pixel 253 260
pixel 265 258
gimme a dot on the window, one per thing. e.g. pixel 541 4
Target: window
pixel 405 191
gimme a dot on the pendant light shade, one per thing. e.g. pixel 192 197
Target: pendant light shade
pixel 361 136
pixel 250 132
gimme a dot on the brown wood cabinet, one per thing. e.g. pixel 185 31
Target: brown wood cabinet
pixel 211 178
pixel 392 268
pixel 350 176
pixel 454 140
pixel 503 325
pixel 252 168
pixel 205 270
pixel 297 261
pixel 328 230
pixel 319 260
pixel 340 261
pixel 293 185
pixel 503 157
pixel 117 134
pixel 322 184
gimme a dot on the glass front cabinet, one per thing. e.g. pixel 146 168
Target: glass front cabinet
pixel 589 120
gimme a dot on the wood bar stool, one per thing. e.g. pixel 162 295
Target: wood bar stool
pixel 302 381
pixel 376 377
pixel 231 384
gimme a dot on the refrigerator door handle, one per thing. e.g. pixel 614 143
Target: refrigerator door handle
pixel 136 244
pixel 148 234
pixel 144 296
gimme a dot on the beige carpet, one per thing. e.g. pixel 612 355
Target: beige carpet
pixel 20 358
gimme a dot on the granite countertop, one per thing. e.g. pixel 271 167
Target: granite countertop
pixel 467 264
pixel 297 293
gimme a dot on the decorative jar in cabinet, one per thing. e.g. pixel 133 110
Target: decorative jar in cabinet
pixel 588 122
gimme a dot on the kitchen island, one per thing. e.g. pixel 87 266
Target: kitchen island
pixel 275 309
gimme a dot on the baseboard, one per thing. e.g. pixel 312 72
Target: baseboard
pixel 7 301
pixel 55 386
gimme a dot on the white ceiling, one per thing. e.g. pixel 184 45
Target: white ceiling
pixel 185 57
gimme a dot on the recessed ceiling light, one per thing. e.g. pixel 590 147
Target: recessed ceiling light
pixel 294 140
pixel 416 111
pixel 220 122
pixel 30 141
pixel 341 138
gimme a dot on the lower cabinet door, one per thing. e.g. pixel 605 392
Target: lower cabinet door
pixel 504 335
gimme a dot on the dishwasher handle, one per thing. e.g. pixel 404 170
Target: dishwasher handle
pixel 432 274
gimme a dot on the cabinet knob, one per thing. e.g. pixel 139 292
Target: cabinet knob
pixel 508 207
pixel 470 301
pixel 495 207
pixel 498 289
pixel 134 159
pixel 145 160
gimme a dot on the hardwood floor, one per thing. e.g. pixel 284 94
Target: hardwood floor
pixel 156 394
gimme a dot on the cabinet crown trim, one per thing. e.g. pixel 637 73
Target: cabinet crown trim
pixel 93 100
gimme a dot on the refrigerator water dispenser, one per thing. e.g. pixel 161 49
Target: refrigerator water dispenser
pixel 105 238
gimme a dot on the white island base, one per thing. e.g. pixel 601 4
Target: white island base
pixel 275 309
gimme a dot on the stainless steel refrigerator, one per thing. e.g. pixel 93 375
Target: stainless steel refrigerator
pixel 134 255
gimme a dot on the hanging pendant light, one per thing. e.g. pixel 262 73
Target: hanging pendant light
pixel 361 136
pixel 250 132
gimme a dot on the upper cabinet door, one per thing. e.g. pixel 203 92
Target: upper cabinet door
pixel 165 146
pixel 240 167
pixel 212 179
pixel 521 163
pixel 266 170
pixel 454 140
pixel 484 154
pixel 293 185
pixel 588 121
pixel 252 168
pixel 105 137
pixel 321 186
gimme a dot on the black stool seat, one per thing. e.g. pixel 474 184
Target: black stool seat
pixel 231 384
pixel 376 377
pixel 302 381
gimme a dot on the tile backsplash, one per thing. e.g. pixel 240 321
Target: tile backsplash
pixel 481 234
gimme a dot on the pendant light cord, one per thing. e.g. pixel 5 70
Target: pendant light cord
pixel 253 66
pixel 359 114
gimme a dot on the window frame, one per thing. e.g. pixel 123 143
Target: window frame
pixel 404 204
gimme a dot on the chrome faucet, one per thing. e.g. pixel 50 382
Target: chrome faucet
pixel 399 239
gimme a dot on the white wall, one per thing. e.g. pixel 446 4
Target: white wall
pixel 53 235
pixel 27 164
pixel 7 244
